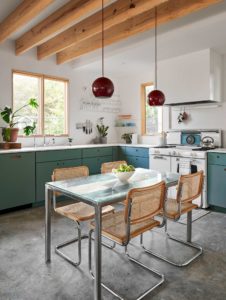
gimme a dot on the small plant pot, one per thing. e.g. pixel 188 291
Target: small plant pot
pixel 10 134
pixel 103 140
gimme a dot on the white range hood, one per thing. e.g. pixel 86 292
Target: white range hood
pixel 194 78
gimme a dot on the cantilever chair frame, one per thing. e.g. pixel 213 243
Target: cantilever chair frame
pixel 188 241
pixel 125 244
pixel 79 237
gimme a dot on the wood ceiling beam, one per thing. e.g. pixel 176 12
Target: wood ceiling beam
pixel 168 11
pixel 24 12
pixel 114 14
pixel 58 21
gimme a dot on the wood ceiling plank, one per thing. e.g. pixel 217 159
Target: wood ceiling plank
pixel 168 11
pixel 24 12
pixel 114 14
pixel 62 18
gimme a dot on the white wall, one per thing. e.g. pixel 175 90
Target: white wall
pixel 28 62
pixel 199 118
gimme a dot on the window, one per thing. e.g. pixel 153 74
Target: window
pixel 151 116
pixel 51 94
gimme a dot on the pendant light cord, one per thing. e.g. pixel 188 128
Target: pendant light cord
pixel 102 38
pixel 156 57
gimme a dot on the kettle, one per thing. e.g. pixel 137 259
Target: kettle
pixel 208 142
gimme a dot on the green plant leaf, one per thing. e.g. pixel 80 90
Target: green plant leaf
pixel 28 130
pixel 6 114
pixel 33 103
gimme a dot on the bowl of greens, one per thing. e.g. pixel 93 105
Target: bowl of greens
pixel 124 172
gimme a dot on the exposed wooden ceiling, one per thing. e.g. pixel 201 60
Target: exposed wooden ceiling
pixel 64 33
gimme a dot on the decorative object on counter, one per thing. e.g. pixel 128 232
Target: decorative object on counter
pixel 156 97
pixel 134 138
pixel 70 140
pixel 127 137
pixel 102 131
pixel 103 87
pixel 182 117
pixel 11 117
pixel 87 126
pixel 89 103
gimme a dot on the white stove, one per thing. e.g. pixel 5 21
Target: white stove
pixel 184 158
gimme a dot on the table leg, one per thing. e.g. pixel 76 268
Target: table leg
pixel 48 199
pixel 97 270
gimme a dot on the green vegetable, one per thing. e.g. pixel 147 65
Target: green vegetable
pixel 124 168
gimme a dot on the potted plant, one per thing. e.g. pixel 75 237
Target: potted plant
pixel 10 133
pixel 127 137
pixel 103 132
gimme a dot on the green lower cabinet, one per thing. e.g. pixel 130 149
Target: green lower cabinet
pixel 44 171
pixel 94 163
pixel 138 162
pixel 217 185
pixel 17 179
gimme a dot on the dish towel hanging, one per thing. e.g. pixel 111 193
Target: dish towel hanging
pixel 184 166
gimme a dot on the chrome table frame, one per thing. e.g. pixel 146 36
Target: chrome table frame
pixel 49 189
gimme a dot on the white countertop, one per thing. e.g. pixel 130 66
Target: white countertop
pixel 67 147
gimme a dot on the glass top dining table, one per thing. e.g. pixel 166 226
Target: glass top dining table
pixel 99 190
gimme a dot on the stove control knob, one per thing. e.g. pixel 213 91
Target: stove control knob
pixel 174 153
pixel 194 154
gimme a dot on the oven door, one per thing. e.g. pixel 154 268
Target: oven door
pixel 160 163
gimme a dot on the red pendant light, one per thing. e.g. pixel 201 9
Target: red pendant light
pixel 103 87
pixel 156 97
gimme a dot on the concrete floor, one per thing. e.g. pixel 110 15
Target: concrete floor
pixel 25 276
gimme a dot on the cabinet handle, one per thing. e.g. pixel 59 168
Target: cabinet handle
pixel 225 169
pixel 16 156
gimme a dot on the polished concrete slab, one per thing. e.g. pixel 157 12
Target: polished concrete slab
pixel 25 276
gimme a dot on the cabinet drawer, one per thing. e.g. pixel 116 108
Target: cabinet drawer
pixel 138 162
pixel 95 152
pixel 217 158
pixel 55 155
pixel 135 151
pixel 44 171
pixel 17 179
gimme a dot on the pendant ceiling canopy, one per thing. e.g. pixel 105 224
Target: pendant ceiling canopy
pixel 103 87
pixel 156 97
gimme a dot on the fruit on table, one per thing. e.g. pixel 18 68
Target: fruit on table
pixel 124 168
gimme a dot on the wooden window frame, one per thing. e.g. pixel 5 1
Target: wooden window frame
pixel 42 77
pixel 143 111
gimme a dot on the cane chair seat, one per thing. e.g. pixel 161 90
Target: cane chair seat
pixel 113 227
pixel 81 211
pixel 172 207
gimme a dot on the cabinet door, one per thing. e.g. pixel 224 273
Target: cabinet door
pixel 217 185
pixel 44 171
pixel 94 163
pixel 17 179
pixel 122 153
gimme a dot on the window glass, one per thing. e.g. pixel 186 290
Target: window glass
pixel 153 114
pixel 51 95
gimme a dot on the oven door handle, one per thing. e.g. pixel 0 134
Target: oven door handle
pixel 159 157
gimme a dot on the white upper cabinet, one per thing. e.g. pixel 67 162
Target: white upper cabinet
pixel 194 77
